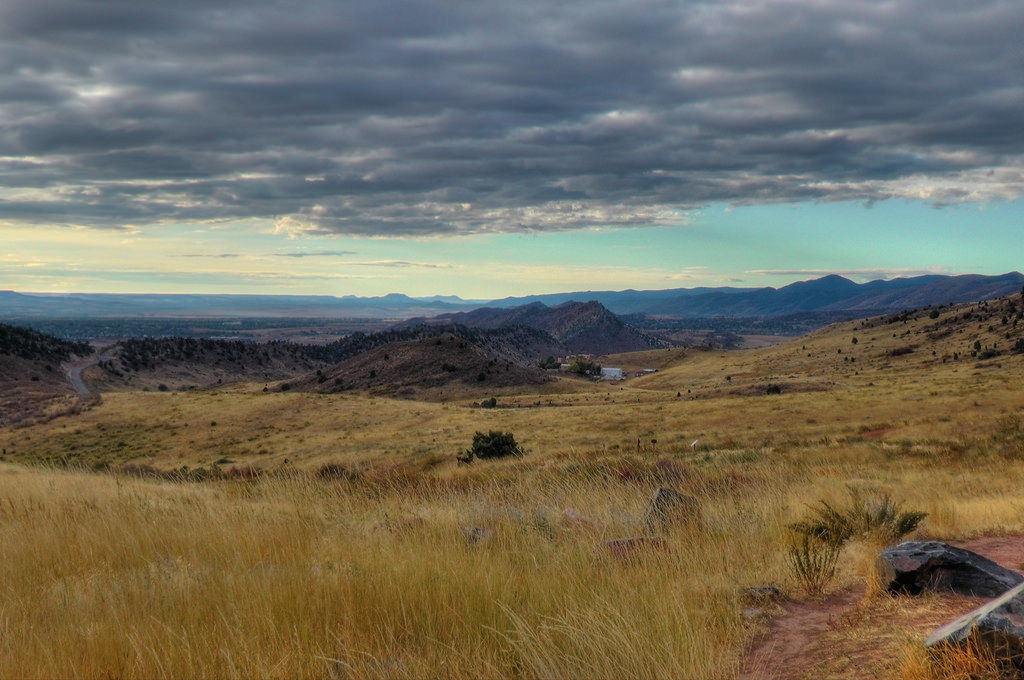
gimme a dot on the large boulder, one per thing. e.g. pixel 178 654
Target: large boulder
pixel 669 507
pixel 916 566
pixel 996 628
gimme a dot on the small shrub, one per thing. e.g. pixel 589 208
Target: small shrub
pixel 878 518
pixel 489 403
pixel 1009 434
pixel 967 661
pixel 813 561
pixel 493 444
pixel 336 471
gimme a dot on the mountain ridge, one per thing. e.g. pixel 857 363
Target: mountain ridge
pixel 828 293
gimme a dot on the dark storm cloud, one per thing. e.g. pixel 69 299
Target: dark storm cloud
pixel 444 116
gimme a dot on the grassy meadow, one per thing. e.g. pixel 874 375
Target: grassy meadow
pixel 113 568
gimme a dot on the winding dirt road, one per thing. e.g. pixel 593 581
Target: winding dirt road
pixel 74 372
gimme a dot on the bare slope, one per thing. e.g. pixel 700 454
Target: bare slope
pixel 175 363
pixel 413 367
pixel 924 345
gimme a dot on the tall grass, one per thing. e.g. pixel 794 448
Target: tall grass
pixel 370 575
pixel 107 576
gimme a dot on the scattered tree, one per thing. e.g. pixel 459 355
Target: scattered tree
pixel 584 367
pixel 548 363
pixel 493 444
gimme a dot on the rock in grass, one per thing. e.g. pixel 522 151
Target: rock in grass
pixel 917 566
pixel 632 549
pixel 996 628
pixel 753 613
pixel 477 535
pixel 668 508
pixel 577 522
pixel 762 594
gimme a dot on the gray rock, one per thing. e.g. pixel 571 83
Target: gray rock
pixel 477 535
pixel 997 627
pixel 762 594
pixel 916 566
pixel 669 507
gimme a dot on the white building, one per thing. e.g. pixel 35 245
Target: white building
pixel 611 373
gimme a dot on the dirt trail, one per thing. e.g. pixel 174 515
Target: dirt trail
pixel 791 637
pixel 74 372
pixel 795 641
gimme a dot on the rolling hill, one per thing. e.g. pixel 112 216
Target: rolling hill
pixel 582 327
pixel 176 363
pixel 30 370
pixel 418 367
pixel 927 345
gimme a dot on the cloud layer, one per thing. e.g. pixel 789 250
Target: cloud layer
pixel 428 117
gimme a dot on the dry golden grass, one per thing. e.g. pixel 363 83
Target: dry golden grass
pixel 294 577
pixel 291 575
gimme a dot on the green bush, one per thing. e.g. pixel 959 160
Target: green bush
pixel 493 444
pixel 584 367
pixel 878 518
pixel 548 363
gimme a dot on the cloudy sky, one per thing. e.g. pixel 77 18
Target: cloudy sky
pixel 487 148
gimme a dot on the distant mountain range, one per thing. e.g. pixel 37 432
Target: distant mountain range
pixel 79 305
pixel 827 294
pixel 831 293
